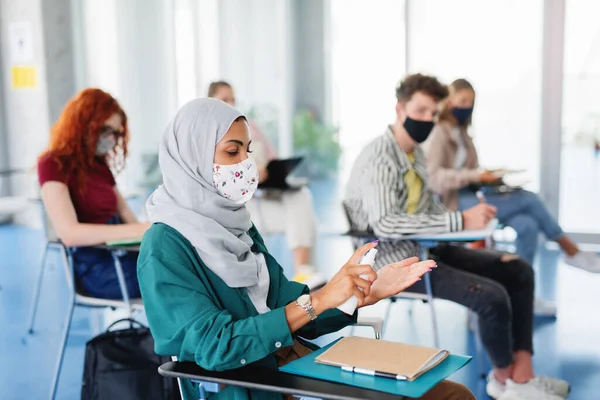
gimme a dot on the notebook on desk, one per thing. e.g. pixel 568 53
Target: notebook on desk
pixel 308 367
pixel 126 242
pixel 461 236
pixel 500 173
pixel 405 361
pixel 510 181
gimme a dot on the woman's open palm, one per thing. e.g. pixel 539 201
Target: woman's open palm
pixel 394 278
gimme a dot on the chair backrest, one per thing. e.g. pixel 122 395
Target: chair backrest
pixel 347 213
pixel 354 230
pixel 49 231
pixel 359 237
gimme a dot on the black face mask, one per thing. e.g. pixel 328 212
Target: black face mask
pixel 462 114
pixel 418 130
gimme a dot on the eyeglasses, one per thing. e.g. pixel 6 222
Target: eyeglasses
pixel 110 130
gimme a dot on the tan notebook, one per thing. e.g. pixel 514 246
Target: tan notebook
pixel 404 360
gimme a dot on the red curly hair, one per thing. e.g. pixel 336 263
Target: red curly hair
pixel 75 134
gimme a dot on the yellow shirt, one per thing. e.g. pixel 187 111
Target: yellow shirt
pixel 415 186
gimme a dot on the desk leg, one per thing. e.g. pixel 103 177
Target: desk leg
pixel 201 391
pixel 121 279
pixel 429 292
pixel 207 387
pixel 38 289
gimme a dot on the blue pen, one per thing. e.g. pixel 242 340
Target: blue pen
pixel 370 372
pixel 480 196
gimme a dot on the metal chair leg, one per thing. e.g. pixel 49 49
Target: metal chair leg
pixel 121 279
pixel 436 339
pixel 373 322
pixel 62 348
pixel 429 293
pixel 388 310
pixel 37 290
pixel 411 308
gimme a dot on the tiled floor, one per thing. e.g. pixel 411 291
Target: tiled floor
pixel 567 348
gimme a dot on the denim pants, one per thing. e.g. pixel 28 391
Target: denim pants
pixel 499 292
pixel 524 212
pixel 95 272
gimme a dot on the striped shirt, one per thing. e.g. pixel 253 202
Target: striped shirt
pixel 376 199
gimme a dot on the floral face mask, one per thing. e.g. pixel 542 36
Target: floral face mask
pixel 236 182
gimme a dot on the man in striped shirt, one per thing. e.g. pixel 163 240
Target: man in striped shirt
pixel 388 194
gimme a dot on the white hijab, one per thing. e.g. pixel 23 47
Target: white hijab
pixel 188 201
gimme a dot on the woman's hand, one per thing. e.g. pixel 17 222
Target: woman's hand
pixel 346 283
pixel 488 176
pixel 394 278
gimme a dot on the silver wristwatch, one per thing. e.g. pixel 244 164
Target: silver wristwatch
pixel 304 302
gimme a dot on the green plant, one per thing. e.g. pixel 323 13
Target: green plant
pixel 318 143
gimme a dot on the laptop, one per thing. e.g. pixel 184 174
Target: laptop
pixel 279 171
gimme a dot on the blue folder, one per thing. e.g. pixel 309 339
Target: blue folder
pixel 306 366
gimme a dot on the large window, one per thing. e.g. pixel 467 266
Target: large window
pixel 367 61
pixel 497 46
pixel 185 51
pixel 580 166
pixel 196 47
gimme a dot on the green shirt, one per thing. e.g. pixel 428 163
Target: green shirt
pixel 195 316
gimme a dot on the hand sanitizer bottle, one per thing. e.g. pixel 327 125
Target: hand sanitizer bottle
pixel 349 306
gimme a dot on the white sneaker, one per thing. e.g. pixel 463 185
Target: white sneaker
pixel 494 388
pixel 308 276
pixel 554 387
pixel 544 308
pixel 526 391
pixel 585 260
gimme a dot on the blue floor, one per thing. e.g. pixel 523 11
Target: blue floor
pixel 567 347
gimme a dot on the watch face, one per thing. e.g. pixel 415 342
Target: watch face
pixel 304 299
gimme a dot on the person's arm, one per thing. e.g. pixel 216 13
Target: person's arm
pixel 436 206
pixel 329 321
pixel 61 212
pixel 189 322
pixel 385 214
pixel 186 322
pixel 123 210
pixel 442 176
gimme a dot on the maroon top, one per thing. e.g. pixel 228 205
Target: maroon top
pixel 97 202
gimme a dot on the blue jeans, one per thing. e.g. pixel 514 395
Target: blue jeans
pixel 95 272
pixel 524 212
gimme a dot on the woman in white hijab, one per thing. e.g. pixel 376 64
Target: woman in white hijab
pixel 213 294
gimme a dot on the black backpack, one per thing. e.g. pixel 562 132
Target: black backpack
pixel 122 364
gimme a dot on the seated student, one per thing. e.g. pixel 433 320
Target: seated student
pixel 291 211
pixel 453 165
pixel 78 189
pixel 213 293
pixel 388 193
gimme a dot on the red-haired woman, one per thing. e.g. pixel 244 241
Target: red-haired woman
pixel 80 194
